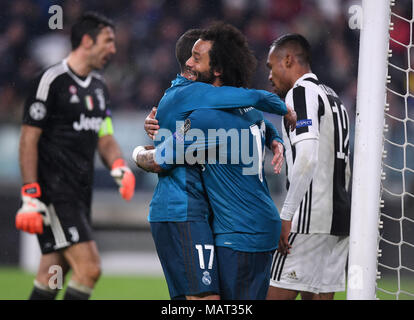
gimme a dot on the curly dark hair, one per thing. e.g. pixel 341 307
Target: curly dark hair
pixel 184 46
pixel 230 54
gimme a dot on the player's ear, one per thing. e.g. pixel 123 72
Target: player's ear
pixel 87 41
pixel 288 60
pixel 217 73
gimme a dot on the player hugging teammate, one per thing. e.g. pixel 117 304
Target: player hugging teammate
pixel 214 225
pixel 313 245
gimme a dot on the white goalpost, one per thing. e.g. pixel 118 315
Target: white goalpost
pixel 368 150
pixel 381 252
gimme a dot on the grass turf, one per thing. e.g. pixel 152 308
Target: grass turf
pixel 16 284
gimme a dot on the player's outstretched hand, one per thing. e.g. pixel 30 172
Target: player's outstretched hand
pixel 291 118
pixel 124 178
pixel 151 124
pixel 277 161
pixel 284 246
pixel 33 213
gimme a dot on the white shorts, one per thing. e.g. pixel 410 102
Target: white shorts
pixel 316 263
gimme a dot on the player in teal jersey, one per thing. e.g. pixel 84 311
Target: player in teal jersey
pixel 246 224
pixel 201 52
pixel 184 96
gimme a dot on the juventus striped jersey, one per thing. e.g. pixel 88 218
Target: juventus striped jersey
pixel 72 113
pixel 325 207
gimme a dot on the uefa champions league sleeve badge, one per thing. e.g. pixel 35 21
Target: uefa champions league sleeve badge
pixel 37 111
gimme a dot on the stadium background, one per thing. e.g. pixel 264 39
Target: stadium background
pixel 146 32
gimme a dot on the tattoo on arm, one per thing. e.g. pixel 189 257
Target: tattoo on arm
pixel 146 161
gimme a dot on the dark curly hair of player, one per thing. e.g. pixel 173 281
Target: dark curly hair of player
pixel 230 54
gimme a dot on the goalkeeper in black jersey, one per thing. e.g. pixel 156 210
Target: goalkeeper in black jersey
pixel 66 118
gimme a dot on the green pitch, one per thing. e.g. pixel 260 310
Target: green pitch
pixel 17 285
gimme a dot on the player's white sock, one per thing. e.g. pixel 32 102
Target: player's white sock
pixel 77 291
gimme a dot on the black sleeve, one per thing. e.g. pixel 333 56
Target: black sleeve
pixel 299 101
pixel 37 106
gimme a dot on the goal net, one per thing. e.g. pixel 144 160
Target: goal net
pixel 396 232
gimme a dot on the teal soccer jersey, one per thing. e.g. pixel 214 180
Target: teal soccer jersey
pixel 179 194
pixel 245 217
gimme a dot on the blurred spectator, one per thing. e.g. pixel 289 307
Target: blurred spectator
pixel 146 33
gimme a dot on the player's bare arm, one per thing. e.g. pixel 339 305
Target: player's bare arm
pixel 284 246
pixel 291 118
pixel 144 157
pixel 109 150
pixel 28 153
pixel 32 215
pixel 277 161
pixel 111 155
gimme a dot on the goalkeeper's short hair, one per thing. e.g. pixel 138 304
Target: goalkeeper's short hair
pixel 90 23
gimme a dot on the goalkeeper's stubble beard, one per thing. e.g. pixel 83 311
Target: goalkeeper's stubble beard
pixel 97 62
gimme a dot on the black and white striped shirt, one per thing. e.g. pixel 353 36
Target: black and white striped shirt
pixel 325 207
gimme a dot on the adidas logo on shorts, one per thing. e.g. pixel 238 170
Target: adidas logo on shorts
pixel 292 275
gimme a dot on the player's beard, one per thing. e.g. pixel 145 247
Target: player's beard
pixel 102 64
pixel 281 92
pixel 206 77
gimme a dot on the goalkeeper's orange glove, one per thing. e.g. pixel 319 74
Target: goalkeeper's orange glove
pixel 33 213
pixel 124 178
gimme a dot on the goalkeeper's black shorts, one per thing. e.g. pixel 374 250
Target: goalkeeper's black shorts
pixel 69 225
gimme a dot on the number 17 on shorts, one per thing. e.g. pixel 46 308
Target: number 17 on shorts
pixel 206 279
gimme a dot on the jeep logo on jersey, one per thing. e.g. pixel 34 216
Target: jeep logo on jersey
pixel 37 111
pixel 87 123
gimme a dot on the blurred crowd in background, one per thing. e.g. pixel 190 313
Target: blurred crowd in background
pixel 146 32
